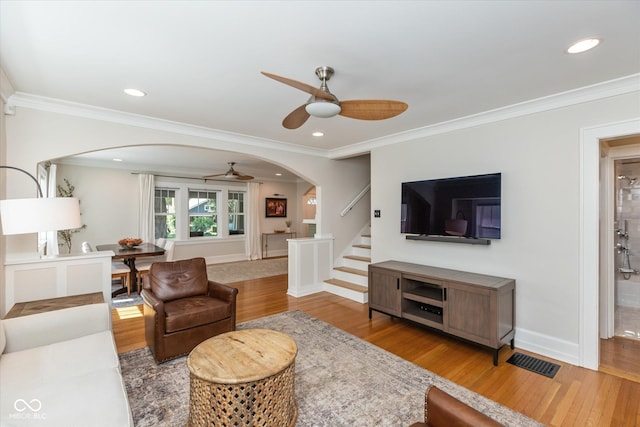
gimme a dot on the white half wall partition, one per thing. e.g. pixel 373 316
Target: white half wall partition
pixel 43 278
pixel 310 264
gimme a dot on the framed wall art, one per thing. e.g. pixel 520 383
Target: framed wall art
pixel 275 208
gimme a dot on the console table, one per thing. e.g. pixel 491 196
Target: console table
pixel 475 307
pixel 265 240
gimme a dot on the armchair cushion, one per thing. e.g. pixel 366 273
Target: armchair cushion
pixel 194 311
pixel 180 279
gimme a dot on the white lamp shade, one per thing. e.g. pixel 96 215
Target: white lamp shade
pixel 323 109
pixel 22 216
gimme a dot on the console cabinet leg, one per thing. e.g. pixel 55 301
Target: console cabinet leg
pixel 369 314
pixel 513 343
pixel 495 357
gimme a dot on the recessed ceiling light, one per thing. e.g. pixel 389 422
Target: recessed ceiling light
pixel 278 174
pixel 318 133
pixel 117 160
pixel 583 45
pixel 134 92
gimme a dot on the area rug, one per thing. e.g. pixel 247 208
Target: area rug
pixel 124 300
pixel 340 380
pixel 231 272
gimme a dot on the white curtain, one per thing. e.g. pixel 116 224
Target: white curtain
pixel 51 191
pixel 253 241
pixel 145 220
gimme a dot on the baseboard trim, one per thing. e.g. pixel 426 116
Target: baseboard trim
pixel 548 346
pixel 308 290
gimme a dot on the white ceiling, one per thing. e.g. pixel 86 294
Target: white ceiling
pixel 200 61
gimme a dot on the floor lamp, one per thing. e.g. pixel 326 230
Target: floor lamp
pixel 41 214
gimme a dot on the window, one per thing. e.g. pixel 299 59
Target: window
pixel 165 213
pixel 203 213
pixel 235 204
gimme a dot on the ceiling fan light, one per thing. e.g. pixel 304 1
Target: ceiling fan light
pixel 324 109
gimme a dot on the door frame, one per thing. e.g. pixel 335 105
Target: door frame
pixel 589 245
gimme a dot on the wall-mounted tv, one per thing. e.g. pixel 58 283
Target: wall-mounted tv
pixel 467 206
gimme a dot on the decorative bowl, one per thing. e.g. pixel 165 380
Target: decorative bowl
pixel 278 231
pixel 129 242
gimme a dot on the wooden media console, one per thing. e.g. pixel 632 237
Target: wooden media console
pixel 475 307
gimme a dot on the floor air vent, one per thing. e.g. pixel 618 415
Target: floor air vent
pixel 532 364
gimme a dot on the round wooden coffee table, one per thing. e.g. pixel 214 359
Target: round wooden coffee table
pixel 243 378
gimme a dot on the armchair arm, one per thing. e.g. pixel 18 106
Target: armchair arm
pixel 40 329
pixel 153 309
pixel 223 292
pixel 442 409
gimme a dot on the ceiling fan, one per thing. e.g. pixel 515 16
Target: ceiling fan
pixel 232 174
pixel 323 103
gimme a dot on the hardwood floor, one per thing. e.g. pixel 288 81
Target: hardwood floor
pixel 575 397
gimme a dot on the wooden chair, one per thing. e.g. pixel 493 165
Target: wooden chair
pixel 119 270
pixel 145 263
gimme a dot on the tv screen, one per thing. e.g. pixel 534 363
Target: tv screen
pixel 467 206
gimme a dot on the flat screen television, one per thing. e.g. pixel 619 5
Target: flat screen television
pixel 466 206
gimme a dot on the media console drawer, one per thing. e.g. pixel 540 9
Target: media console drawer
pixel 475 307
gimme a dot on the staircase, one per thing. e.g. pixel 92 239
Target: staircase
pixel 350 277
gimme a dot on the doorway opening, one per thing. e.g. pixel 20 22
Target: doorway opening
pixel 627 258
pixel 620 257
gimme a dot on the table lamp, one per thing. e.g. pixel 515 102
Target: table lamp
pixel 22 216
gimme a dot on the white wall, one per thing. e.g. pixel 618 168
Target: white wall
pixel 539 158
pixel 108 204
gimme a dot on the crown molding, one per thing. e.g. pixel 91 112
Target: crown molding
pixel 36 102
pixel 6 90
pixel 620 86
pixel 594 92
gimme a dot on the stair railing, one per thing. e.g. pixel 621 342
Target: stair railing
pixel 355 200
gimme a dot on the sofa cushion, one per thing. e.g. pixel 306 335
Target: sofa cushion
pixel 95 398
pixel 50 327
pixel 178 279
pixel 65 359
pixel 194 311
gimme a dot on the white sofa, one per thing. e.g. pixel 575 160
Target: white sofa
pixel 61 368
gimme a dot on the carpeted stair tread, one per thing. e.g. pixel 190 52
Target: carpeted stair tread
pixel 347 285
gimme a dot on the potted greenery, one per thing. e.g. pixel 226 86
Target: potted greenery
pixel 64 236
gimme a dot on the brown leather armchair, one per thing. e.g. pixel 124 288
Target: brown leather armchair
pixel 443 410
pixel 183 308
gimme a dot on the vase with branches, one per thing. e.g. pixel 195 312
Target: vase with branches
pixel 65 236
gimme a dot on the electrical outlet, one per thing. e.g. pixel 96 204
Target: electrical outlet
pixel 376 213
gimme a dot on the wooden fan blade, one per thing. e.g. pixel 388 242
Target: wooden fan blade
pixel 318 93
pixel 372 109
pixel 239 176
pixel 296 118
pixel 244 177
